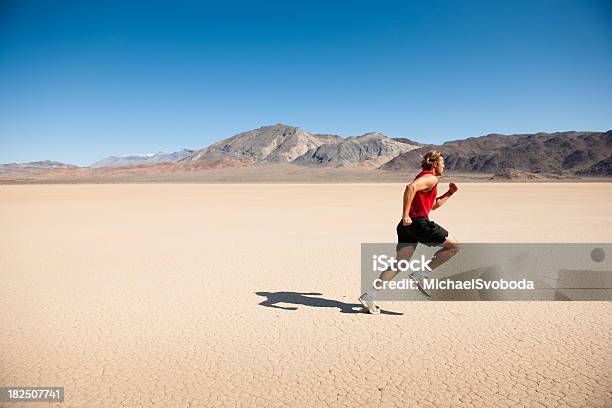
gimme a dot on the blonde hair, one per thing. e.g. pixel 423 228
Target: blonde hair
pixel 429 159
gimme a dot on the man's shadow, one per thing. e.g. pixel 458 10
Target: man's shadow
pixel 306 299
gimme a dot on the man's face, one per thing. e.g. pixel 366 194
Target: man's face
pixel 439 166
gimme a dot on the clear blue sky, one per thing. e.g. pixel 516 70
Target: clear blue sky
pixel 83 80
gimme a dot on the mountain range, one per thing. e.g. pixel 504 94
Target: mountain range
pixel 587 153
pixel 288 144
pixel 562 153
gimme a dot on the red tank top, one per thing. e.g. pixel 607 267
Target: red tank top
pixel 423 202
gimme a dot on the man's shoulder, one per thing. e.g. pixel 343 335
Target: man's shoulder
pixel 428 180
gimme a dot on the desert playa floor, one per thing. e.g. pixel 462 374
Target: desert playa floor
pixel 188 295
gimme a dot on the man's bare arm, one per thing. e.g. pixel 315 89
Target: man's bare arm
pixel 421 184
pixel 452 188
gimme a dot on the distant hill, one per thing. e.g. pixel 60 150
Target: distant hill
pixel 34 166
pixel 536 153
pixel 271 144
pixel 373 148
pixel 289 144
pixel 142 158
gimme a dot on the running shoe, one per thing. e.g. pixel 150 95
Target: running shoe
pixel 368 303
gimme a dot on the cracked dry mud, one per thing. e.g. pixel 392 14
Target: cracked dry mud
pixel 193 295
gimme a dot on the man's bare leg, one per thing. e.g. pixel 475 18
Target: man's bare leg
pixel 404 253
pixel 450 248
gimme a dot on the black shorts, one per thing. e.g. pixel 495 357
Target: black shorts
pixel 423 231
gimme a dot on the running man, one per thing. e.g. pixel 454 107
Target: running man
pixel 415 226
